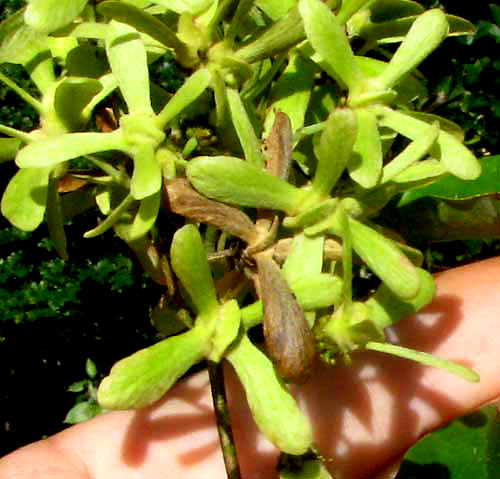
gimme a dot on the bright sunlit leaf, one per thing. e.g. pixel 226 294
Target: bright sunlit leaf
pixel 425 358
pixel 49 15
pixel 274 409
pixel 237 182
pixel 25 198
pixel 54 150
pixel 190 263
pixel 145 376
pixel 127 57
pixel 329 40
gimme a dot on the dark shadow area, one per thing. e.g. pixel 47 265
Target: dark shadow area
pixel 148 427
pixel 412 470
pixel 474 420
pixel 145 428
pixel 55 315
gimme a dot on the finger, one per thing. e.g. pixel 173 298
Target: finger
pixel 369 414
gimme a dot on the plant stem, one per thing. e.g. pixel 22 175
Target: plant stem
pixel 216 376
pixel 308 130
pixel 22 93
pixel 117 175
pixel 281 36
pixel 222 10
pixel 113 217
pixel 15 133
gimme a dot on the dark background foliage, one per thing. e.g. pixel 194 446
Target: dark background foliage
pixel 55 315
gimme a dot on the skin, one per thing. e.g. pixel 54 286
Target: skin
pixel 365 416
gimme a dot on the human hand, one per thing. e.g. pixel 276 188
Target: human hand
pixel 365 415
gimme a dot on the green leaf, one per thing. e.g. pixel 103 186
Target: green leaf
pixel 108 83
pixel 349 328
pixel 381 11
pixel 280 36
pixel 237 20
pixel 334 150
pixel 313 216
pixel 292 91
pixel 112 219
pixel 52 151
pixel 305 257
pixel 169 320
pixel 414 152
pixel 349 8
pixel 422 172
pixel 82 412
pixel 430 219
pixel 275 9
pixel 146 177
pixel 468 447
pixel 409 87
pixel 144 377
pixel 426 33
pixel 455 156
pixel 18 42
pixel 144 23
pixel 386 308
pixel 386 260
pixel 315 291
pixel 98 31
pixel 9 148
pixel 49 15
pixel 365 164
pixel 86 61
pixel 395 29
pixel 128 60
pixel 71 97
pixel 79 386
pixel 274 409
pixel 329 40
pixel 145 217
pixel 90 368
pixel 426 359
pixel 312 292
pixel 193 7
pixel 445 124
pixel 226 329
pixel 453 188
pixel 25 198
pixel 237 182
pixel 249 141
pixel 459 26
pixel 190 264
pixel 192 88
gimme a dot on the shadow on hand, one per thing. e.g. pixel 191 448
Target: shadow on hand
pixel 370 412
pixel 196 429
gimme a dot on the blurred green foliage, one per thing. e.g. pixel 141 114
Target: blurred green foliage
pixel 29 291
pixel 54 314
pixel 86 406
pixel 13 111
pixel 464 76
pixel 468 447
